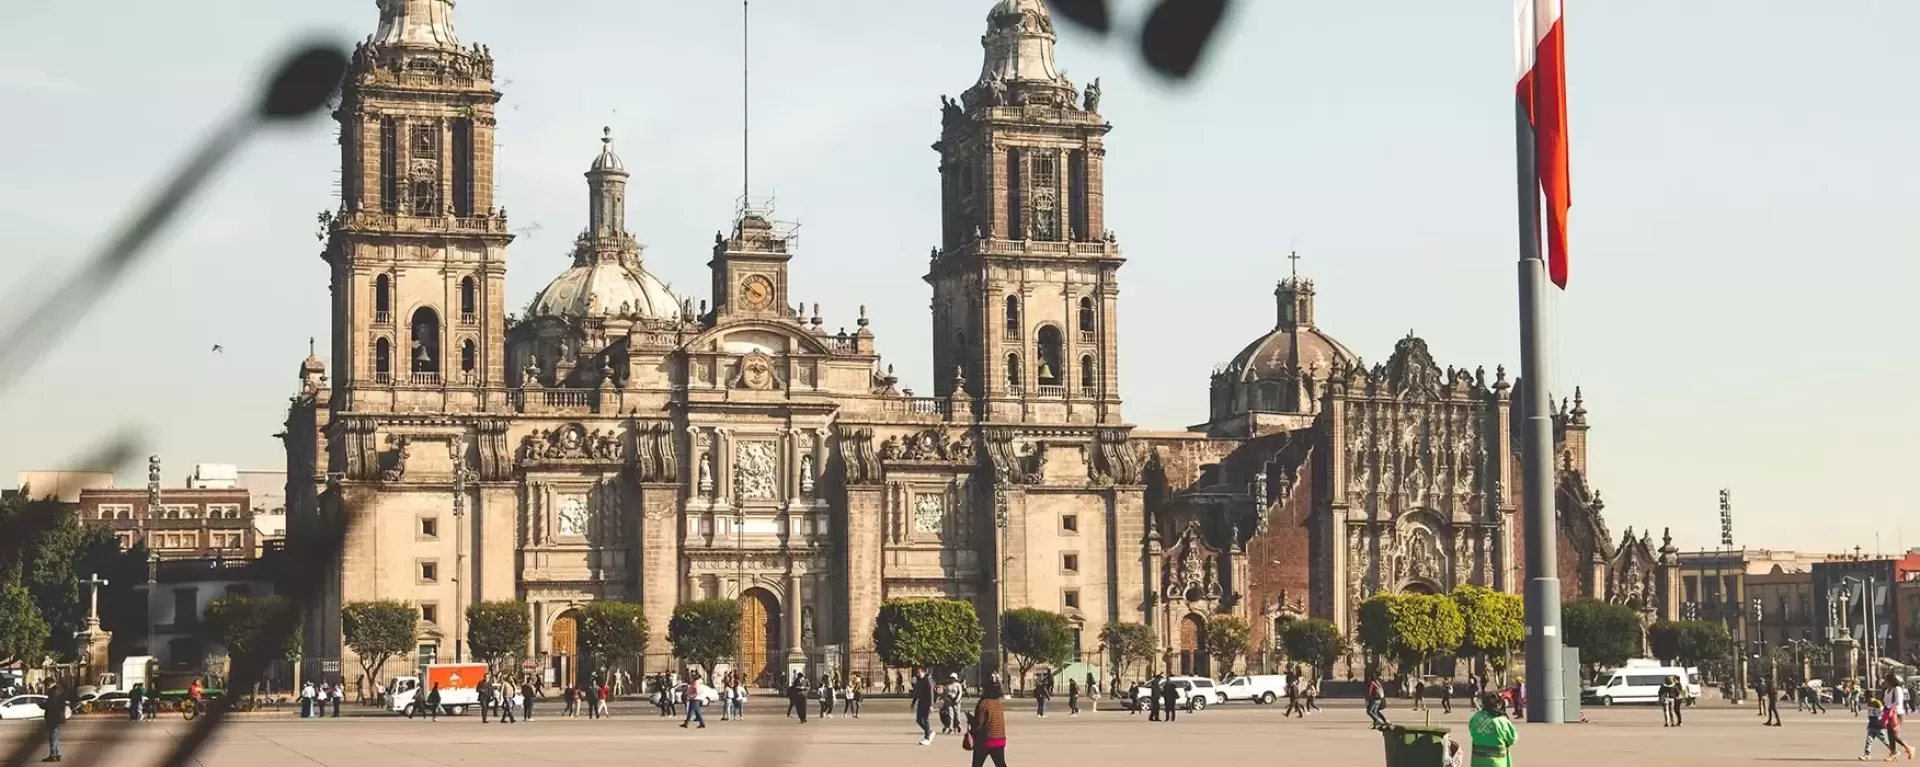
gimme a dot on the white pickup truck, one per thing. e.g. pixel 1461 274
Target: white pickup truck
pixel 1259 688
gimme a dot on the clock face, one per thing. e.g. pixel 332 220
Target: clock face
pixel 756 292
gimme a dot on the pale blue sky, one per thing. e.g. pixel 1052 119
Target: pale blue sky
pixel 1743 225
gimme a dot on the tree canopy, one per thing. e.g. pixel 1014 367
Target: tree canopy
pixel 613 631
pixel 497 631
pixel 377 631
pixel 1128 644
pixel 1227 640
pixel 245 626
pixel 1411 628
pixel 1313 641
pixel 705 631
pixel 1690 643
pixel 47 550
pixel 23 633
pixel 1034 636
pixel 1607 634
pixel 1495 623
pixel 939 634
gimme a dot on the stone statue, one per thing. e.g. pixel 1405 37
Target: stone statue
pixel 996 92
pixel 706 475
pixel 806 476
pixel 1091 102
pixel 950 110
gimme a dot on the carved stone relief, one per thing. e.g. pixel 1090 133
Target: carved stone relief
pixel 929 513
pixel 571 519
pixel 755 470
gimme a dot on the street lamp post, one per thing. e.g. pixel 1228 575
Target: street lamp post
pixel 1000 516
pixel 461 476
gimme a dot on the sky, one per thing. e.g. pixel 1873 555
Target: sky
pixel 1739 314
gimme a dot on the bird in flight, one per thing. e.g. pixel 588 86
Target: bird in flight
pixel 218 348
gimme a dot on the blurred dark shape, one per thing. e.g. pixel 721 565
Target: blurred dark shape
pixel 305 82
pixel 1177 33
pixel 109 457
pixel 1091 14
pixel 300 87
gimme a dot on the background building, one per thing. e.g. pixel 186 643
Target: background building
pixel 63 485
pixel 193 522
pixel 1871 607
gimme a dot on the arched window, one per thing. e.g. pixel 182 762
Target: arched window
pixel 468 356
pixel 1013 371
pixel 1013 317
pixel 469 299
pixel 1086 374
pixel 423 354
pixel 382 360
pixel 1047 370
pixel 383 299
pixel 1086 319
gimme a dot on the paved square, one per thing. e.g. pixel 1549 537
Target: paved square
pixel 1229 735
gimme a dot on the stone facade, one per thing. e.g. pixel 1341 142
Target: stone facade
pixel 616 442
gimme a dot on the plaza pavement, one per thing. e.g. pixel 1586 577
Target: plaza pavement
pixel 1237 734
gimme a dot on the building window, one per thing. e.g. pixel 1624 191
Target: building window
pixel 1070 523
pixel 1013 371
pixel 429 528
pixel 116 511
pixel 1693 588
pixel 126 539
pixel 1077 194
pixel 1070 599
pixel 425 203
pixel 383 300
pixel 428 654
pixel 424 355
pixel 1012 330
pixel 1086 319
pixel 468 356
pixel 389 166
pixel 1086 375
pixel 382 361
pixel 223 511
pixel 469 301
pixel 463 167
pixel 1070 563
pixel 1048 345
pixel 1016 226
pixel 1046 196
pixel 429 612
pixel 429 571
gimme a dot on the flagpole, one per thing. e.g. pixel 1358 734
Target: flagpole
pixel 1546 693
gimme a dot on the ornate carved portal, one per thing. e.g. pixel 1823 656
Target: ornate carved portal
pixel 759 634
pixel 755 470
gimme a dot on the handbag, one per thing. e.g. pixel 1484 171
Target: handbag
pixel 966 742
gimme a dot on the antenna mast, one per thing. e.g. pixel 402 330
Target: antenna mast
pixel 746 106
pixel 1726 518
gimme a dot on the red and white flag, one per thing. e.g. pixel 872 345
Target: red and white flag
pixel 1540 45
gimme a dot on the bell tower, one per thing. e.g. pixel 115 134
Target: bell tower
pixel 417 248
pixel 1025 281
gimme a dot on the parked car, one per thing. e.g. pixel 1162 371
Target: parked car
pixel 1192 693
pixel 1259 688
pixel 23 707
pixel 112 700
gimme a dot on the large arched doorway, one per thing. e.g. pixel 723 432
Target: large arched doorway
pixel 1193 651
pixel 570 665
pixel 759 636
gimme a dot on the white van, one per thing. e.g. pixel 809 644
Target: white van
pixel 1259 688
pixel 1636 683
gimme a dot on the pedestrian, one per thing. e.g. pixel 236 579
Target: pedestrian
pixel 1169 696
pixel 338 693
pixel 1376 703
pixel 1153 698
pixel 988 726
pixel 509 697
pixel 797 696
pixel 1876 730
pixel 1670 702
pixel 306 701
pixel 693 702
pixel 1313 694
pixel 1493 734
pixel 135 700
pixel 1894 699
pixel 1519 698
pixel 1093 692
pixel 1073 697
pixel 950 695
pixel 1419 693
pixel 1042 692
pixel 1772 699
pixel 1446 697
pixel 898 684
pixel 856 695
pixel 1294 689
pixel 739 698
pixel 486 698
pixel 601 697
pixel 922 698
pixel 526 701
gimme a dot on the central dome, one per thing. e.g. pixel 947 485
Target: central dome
pixel 605 288
pixel 1285 352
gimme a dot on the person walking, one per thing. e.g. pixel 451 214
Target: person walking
pixel 988 726
pixel 693 702
pixel 797 695
pixel 1073 697
pixel 1876 730
pixel 54 712
pixel 1492 733
pixel 1894 700
pixel 1169 698
pixel 856 694
pixel 826 696
pixel 1313 694
pixel 739 698
pixel 486 698
pixel 509 699
pixel 922 698
pixel 1376 703
pixel 1042 692
pixel 1446 697
pixel 1093 692
pixel 950 695
pixel 135 700
pixel 433 704
pixel 1419 694
pixel 1771 699
pixel 1294 689
pixel 605 698
pixel 526 701
pixel 1153 698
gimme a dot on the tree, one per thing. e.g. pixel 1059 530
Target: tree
pixel 43 546
pixel 23 633
pixel 377 631
pixel 1664 639
pixel 1607 634
pixel 497 631
pixel 1314 641
pixel 1128 644
pixel 244 625
pixel 613 631
pixel 703 632
pixel 1495 624
pixel 1035 636
pixel 1704 643
pixel 1410 628
pixel 1227 639
pixel 938 634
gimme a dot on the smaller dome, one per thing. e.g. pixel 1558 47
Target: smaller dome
pixel 1287 350
pixel 603 288
pixel 607 162
pixel 313 363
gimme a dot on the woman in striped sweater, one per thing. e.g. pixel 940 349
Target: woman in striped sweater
pixel 988 724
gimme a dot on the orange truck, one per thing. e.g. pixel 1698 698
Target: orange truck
pixel 459 685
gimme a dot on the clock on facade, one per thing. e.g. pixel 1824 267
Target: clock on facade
pixel 756 292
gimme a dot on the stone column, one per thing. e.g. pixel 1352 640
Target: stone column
pixel 796 655
pixel 661 529
pixel 866 506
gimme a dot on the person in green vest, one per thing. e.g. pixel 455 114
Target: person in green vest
pixel 1492 733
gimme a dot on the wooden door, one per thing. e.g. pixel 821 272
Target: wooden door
pixel 759 634
pixel 565 646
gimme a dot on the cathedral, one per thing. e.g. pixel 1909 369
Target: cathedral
pixel 616 441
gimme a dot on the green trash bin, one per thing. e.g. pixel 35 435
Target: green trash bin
pixel 1415 746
